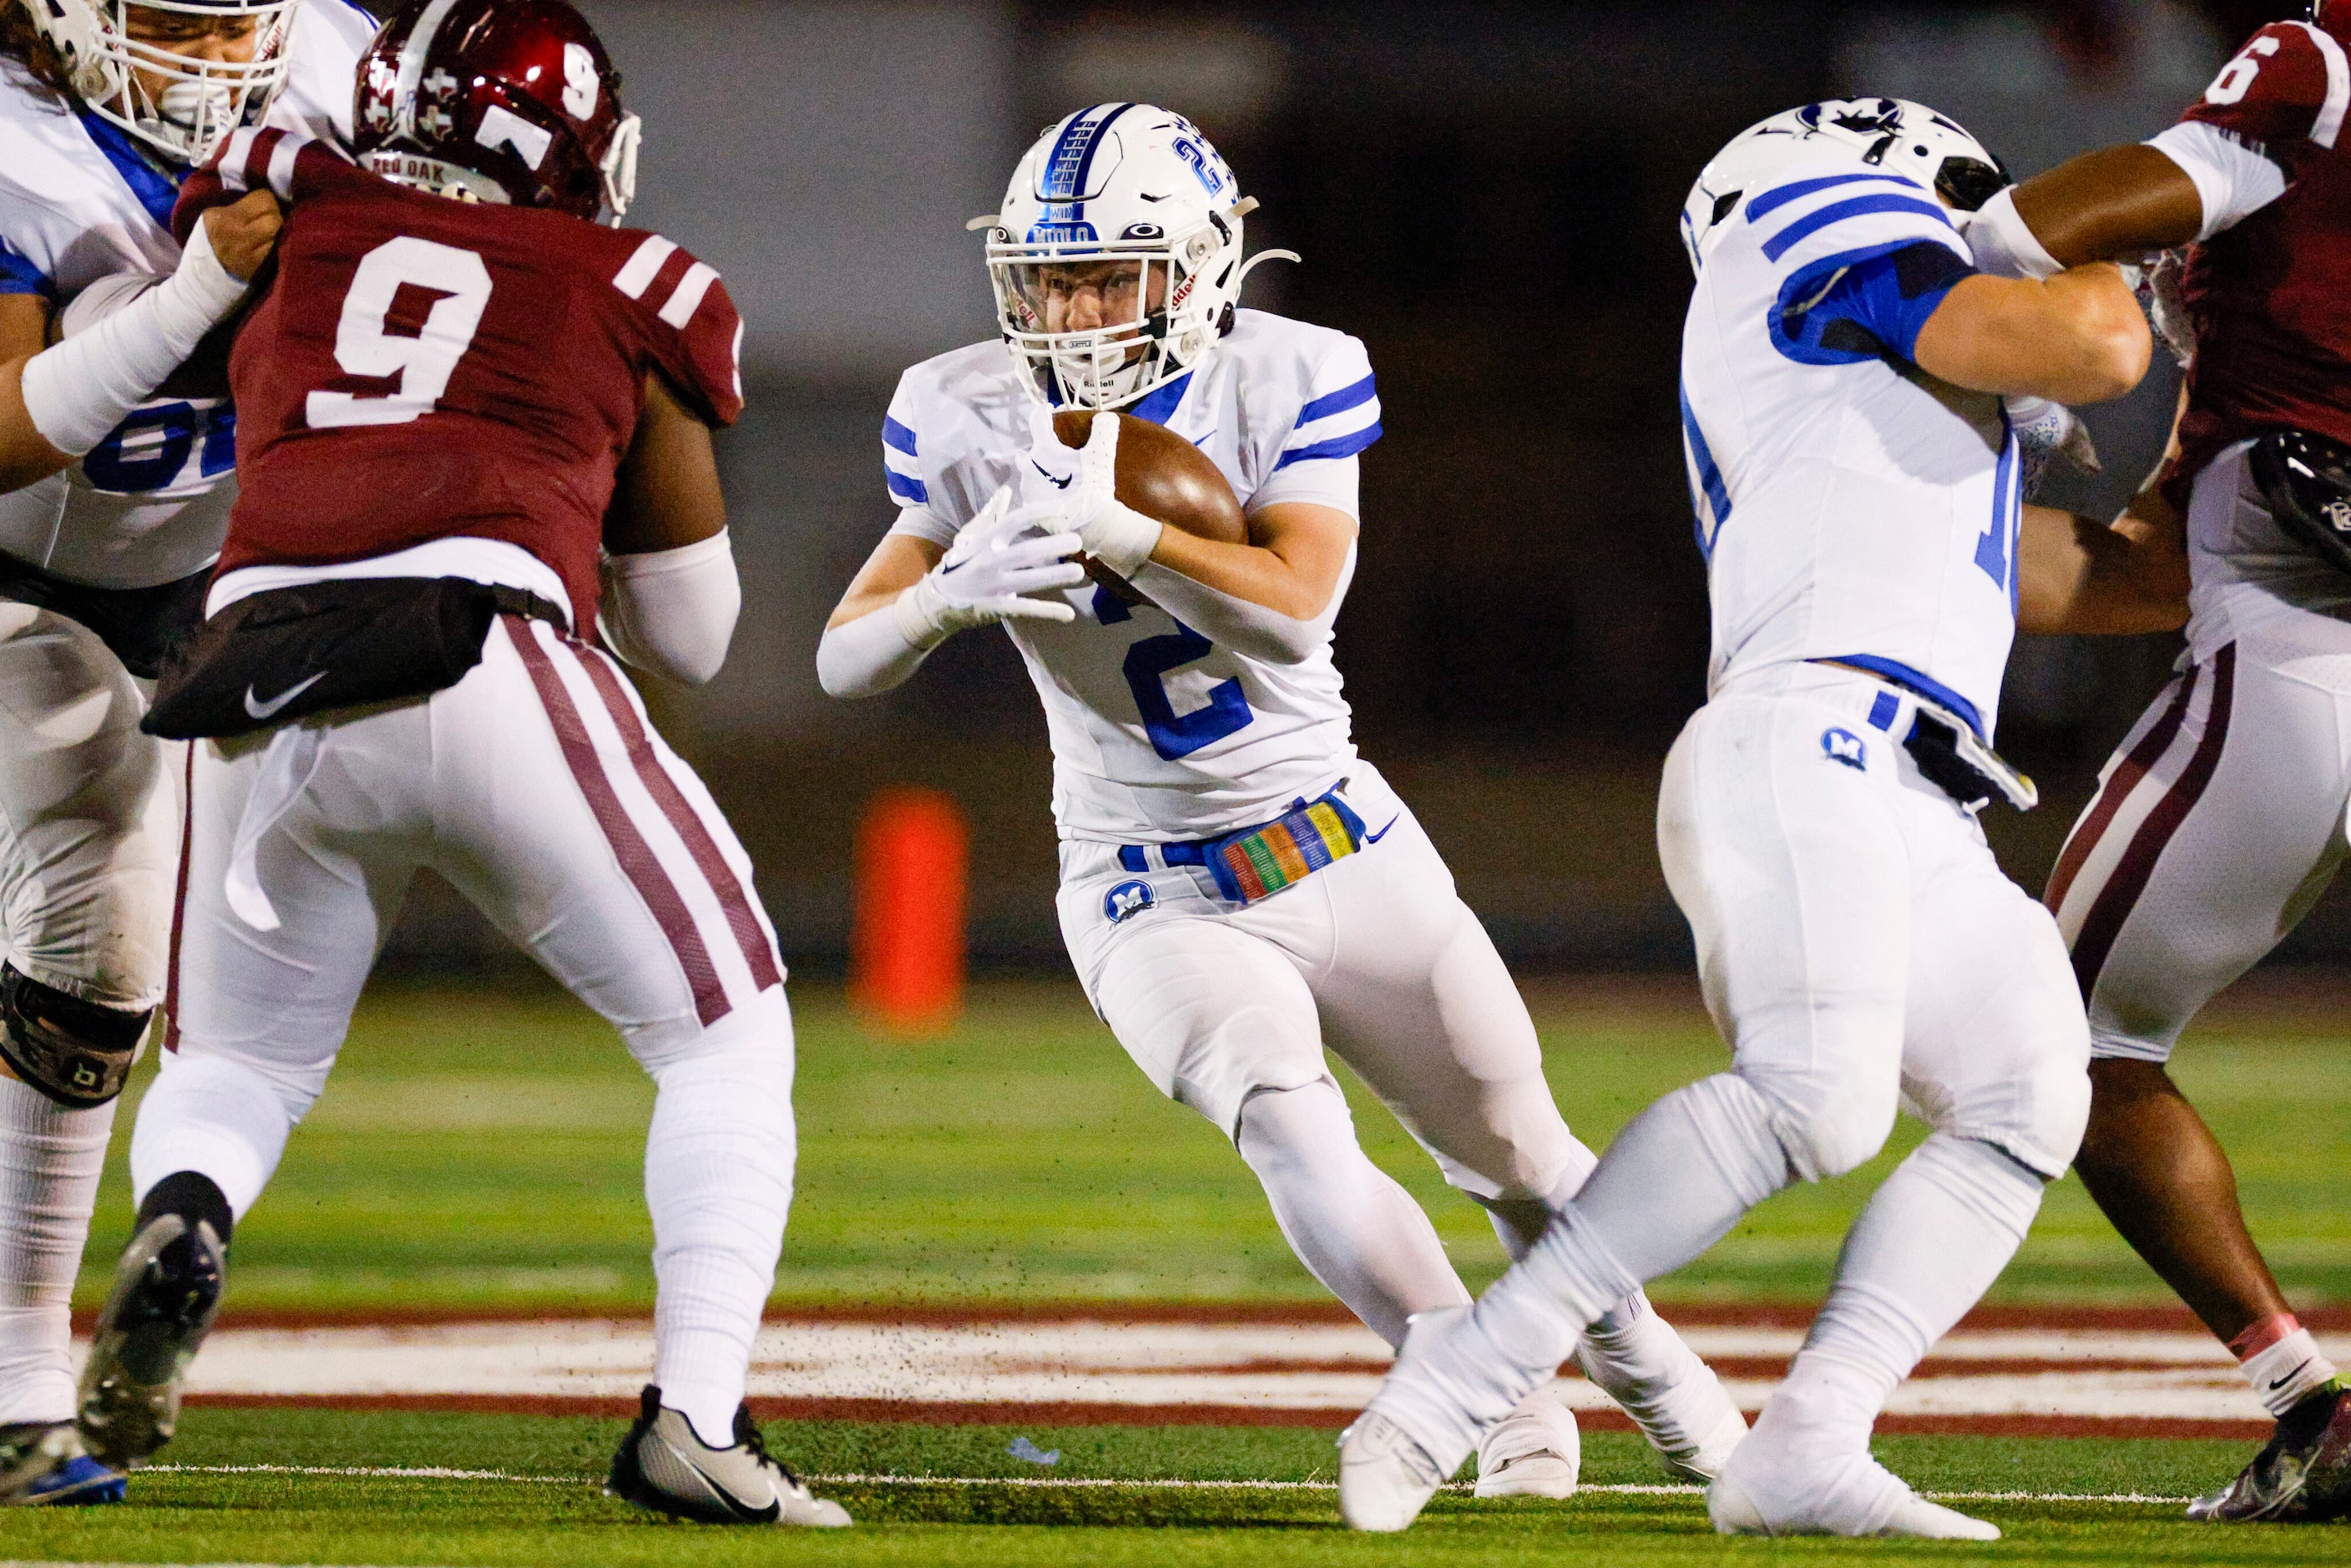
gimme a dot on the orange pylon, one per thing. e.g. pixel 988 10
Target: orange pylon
pixel 906 958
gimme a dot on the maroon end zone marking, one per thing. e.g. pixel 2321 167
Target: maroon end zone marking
pixel 180 903
pixel 765 973
pixel 2137 867
pixel 921 1414
pixel 636 856
pixel 2143 756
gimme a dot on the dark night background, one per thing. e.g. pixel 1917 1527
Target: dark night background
pixel 1486 195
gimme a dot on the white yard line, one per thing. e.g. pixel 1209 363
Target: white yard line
pixel 1068 1483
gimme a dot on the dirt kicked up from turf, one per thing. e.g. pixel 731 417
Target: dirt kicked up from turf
pixel 2010 1372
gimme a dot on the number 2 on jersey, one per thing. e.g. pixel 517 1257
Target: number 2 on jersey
pixel 422 362
pixel 1153 659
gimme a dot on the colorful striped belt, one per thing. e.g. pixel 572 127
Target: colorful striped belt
pixel 1257 862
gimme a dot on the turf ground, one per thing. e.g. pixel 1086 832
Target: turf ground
pixel 480 1150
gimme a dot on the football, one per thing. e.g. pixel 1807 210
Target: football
pixel 1162 475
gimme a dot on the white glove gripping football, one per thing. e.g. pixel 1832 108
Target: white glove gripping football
pixel 2049 431
pixel 1081 486
pixel 79 390
pixel 996 562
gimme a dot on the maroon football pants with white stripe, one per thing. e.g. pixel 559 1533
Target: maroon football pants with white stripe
pixel 536 788
pixel 2218 822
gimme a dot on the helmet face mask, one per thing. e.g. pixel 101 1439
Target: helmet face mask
pixel 114 66
pixel 1116 260
pixel 1892 134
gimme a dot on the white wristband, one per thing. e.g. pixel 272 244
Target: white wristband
pixel 1121 537
pixel 80 391
pixel 2003 243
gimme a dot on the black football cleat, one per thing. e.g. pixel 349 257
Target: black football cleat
pixel 2302 1477
pixel 665 1466
pixel 167 1290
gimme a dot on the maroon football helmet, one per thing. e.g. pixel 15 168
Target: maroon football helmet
pixel 510 101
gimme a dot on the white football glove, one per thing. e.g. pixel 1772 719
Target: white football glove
pixel 997 561
pixel 2161 284
pixel 2048 430
pixel 1081 488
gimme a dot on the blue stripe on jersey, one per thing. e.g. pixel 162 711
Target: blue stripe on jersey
pixel 1337 447
pixel 898 436
pixel 914 490
pixel 1339 401
pixel 1896 673
pixel 157 192
pixel 1771 201
pixel 1160 406
pixel 19 275
pixel 1811 222
pixel 1710 478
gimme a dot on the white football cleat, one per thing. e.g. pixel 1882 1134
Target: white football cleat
pixel 1384 1477
pixel 1534 1452
pixel 1894 1511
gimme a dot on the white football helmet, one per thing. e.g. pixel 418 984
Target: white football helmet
pixel 1888 133
pixel 205 100
pixel 1130 205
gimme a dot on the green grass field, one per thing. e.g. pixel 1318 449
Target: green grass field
pixel 481 1149
pixel 485 1149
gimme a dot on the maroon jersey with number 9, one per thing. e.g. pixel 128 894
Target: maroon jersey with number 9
pixel 423 368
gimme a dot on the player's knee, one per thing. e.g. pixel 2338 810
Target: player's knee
pixel 1281 1127
pixel 1830 1125
pixel 78 1053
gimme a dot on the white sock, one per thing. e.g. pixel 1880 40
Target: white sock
pixel 1353 1227
pixel 1930 1242
pixel 216 1117
pixel 718 1182
pixel 1671 1186
pixel 2287 1371
pixel 50 1161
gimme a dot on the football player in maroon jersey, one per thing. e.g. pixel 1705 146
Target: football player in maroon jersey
pixel 2222 816
pixel 474 428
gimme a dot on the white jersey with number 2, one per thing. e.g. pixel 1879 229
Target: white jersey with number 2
pixel 1158 735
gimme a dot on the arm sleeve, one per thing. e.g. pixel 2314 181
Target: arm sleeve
pixel 2234 178
pixel 1869 305
pixel 1338 418
pixel 689 324
pixel 2288 87
pixel 673 611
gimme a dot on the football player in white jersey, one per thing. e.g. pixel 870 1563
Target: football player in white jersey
pixel 118 465
pixel 1869 559
pixel 1238 888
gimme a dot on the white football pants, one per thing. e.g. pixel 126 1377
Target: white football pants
pixel 2222 817
pixel 1377 957
pixel 537 787
pixel 90 840
pixel 89 816
pixel 1860 947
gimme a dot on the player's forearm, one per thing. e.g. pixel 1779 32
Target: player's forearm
pixel 1244 625
pixel 2112 205
pixel 869 656
pixel 2078 575
pixel 673 612
pixel 26 455
pixel 2077 338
